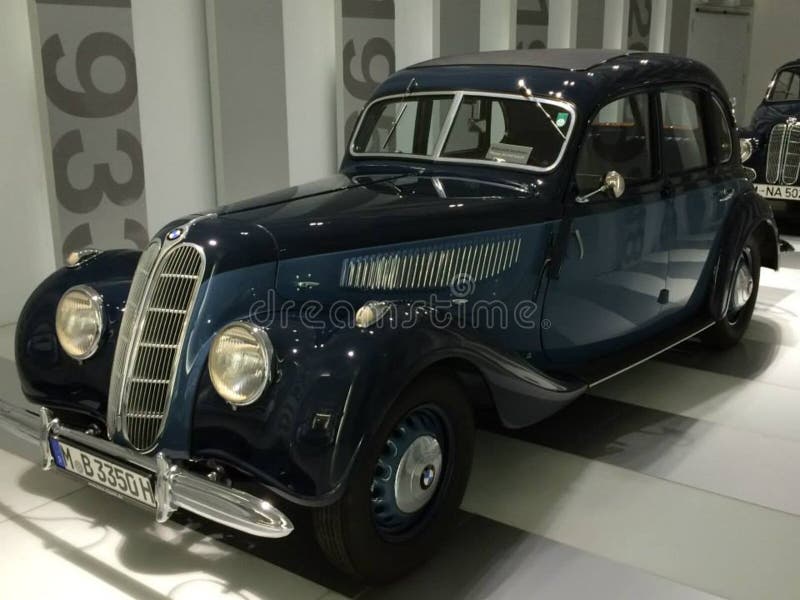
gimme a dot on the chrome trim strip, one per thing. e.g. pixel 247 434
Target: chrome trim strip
pixel 458 97
pixel 448 124
pixel 175 487
pixel 644 360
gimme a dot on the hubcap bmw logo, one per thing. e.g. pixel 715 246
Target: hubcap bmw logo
pixel 174 234
pixel 427 477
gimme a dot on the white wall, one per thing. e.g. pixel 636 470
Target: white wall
pixel 174 108
pixel 309 41
pixel 775 40
pixel 26 240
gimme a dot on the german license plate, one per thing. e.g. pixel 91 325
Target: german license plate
pixel 779 192
pixel 100 473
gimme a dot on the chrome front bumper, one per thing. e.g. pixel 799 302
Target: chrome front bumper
pixel 174 487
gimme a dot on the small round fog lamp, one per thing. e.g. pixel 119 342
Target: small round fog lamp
pixel 370 313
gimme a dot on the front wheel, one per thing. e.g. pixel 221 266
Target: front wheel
pixel 406 487
pixel 744 290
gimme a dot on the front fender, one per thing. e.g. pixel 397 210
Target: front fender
pixel 47 374
pixel 333 387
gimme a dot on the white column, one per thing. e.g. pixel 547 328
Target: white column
pixel 174 109
pixel 498 24
pixel 248 93
pixel 27 251
pixel 309 43
pixel 417 29
pixel 562 28
pixel 660 25
pixel 615 24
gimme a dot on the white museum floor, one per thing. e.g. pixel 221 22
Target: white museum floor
pixel 679 479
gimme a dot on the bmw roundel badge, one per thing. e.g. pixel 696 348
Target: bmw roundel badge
pixel 174 234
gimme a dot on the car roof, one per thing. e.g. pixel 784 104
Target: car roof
pixel 585 77
pixel 791 63
pixel 574 59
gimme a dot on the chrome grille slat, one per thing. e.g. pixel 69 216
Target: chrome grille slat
pixel 160 330
pixel 129 320
pixel 791 155
pixel 775 153
pixel 431 267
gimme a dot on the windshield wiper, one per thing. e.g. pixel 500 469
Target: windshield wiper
pixel 403 108
pixel 529 94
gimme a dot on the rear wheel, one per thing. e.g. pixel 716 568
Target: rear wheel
pixel 729 330
pixel 405 489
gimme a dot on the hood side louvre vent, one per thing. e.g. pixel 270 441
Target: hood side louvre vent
pixel 431 267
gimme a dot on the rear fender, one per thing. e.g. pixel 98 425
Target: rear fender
pixel 750 216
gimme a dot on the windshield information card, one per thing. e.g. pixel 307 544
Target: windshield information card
pixel 509 153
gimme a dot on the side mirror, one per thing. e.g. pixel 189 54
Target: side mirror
pixel 613 183
pixel 746 149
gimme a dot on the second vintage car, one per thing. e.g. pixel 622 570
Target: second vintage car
pixel 770 145
pixel 507 230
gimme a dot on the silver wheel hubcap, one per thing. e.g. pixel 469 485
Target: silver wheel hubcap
pixel 742 286
pixel 418 474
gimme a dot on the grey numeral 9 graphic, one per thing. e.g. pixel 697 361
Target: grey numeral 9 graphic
pixel 92 102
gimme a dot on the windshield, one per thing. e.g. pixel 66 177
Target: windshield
pixel 505 130
pixel 785 87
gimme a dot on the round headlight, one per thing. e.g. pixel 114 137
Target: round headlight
pixel 79 322
pixel 240 363
pixel 746 148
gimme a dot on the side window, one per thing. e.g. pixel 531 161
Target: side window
pixel 618 139
pixel 723 141
pixel 786 87
pixel 684 141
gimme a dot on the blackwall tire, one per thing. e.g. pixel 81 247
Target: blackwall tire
pixel 358 540
pixel 728 331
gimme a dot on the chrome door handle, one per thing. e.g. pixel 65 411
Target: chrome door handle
pixel 725 195
pixel 579 238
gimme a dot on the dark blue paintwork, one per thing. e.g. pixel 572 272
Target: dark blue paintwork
pixel 333 383
pixel 768 114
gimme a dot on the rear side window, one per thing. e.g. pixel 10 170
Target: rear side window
pixel 786 87
pixel 618 139
pixel 684 142
pixel 722 133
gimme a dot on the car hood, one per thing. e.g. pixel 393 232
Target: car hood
pixel 768 115
pixel 345 212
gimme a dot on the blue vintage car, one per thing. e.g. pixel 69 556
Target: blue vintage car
pixel 770 145
pixel 506 231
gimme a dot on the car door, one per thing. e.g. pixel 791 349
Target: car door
pixel 697 153
pixel 605 294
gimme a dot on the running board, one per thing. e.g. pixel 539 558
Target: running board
pixel 602 370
